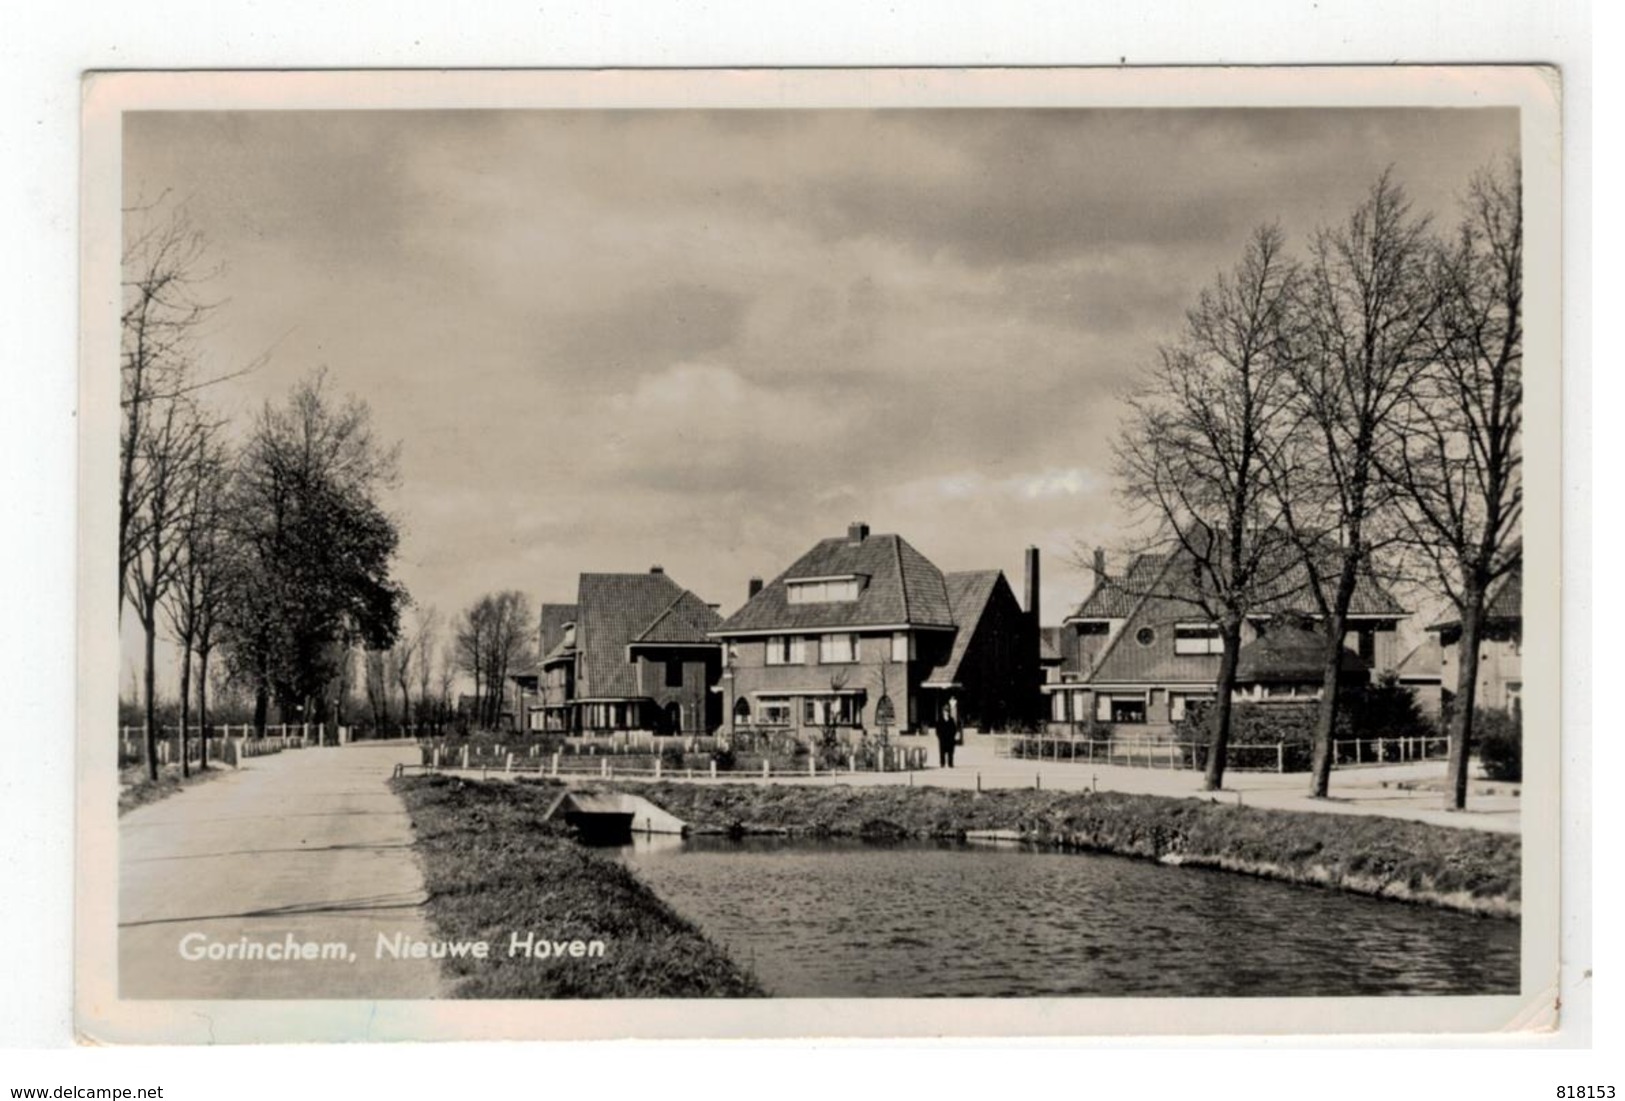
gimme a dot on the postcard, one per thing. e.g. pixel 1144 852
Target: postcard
pixel 758 553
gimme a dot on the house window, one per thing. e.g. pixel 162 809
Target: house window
pixel 1145 636
pixel 785 650
pixel 775 711
pixel 837 649
pixel 902 646
pixel 823 590
pixel 835 711
pixel 1198 639
pixel 674 673
pixel 1120 709
pixel 1178 702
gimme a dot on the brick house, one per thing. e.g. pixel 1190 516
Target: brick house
pixel 863 631
pixel 1135 654
pixel 632 653
pixel 1500 648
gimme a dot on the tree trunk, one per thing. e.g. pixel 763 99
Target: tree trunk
pixel 262 703
pixel 203 707
pixel 1219 741
pixel 1466 702
pixel 186 703
pixel 149 627
pixel 1326 717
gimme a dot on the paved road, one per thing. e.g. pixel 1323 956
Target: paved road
pixel 308 843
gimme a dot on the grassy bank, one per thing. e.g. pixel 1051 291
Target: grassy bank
pixel 493 868
pixel 135 790
pixel 1386 857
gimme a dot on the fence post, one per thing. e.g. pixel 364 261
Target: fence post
pixel 713 770
pixel 509 768
pixel 766 768
pixel 812 765
pixel 556 754
pixel 603 766
pixel 657 768
pixel 1280 757
pixel 465 756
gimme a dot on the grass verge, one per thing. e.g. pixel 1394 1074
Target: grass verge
pixel 494 868
pixel 1468 870
pixel 140 791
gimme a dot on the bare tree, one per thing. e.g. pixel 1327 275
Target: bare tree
pixel 424 633
pixel 1195 450
pixel 168 451
pixel 472 639
pixel 493 638
pixel 446 676
pixel 1455 449
pixel 377 674
pixel 165 260
pixel 192 597
pixel 1368 308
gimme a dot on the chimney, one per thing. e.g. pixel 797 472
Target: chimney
pixel 657 569
pixel 755 587
pixel 857 532
pixel 1100 564
pixel 1031 578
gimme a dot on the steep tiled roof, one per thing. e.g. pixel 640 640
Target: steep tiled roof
pixel 614 609
pixel 968 594
pixel 1115 598
pixel 1049 644
pixel 1507 601
pixel 1503 607
pixel 554 617
pixel 1422 663
pixel 1289 653
pixel 1148 575
pixel 901 586
pixel 686 620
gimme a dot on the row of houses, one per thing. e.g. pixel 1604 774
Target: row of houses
pixel 864 631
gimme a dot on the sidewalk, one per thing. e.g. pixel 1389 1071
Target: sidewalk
pixel 309 844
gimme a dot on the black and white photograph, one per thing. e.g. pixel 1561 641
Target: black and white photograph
pixel 1024 551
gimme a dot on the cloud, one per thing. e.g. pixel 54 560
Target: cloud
pixel 708 338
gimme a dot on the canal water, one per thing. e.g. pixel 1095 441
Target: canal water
pixel 853 919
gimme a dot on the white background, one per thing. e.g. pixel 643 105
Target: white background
pixel 44 49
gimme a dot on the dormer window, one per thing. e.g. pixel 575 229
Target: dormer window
pixel 824 590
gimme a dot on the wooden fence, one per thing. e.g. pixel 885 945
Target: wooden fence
pixel 229 743
pixel 1241 757
pixel 557 763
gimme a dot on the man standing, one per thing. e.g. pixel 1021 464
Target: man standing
pixel 947 736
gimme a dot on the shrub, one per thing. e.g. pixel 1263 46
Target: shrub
pixel 723 758
pixel 1499 737
pixel 1386 710
pixel 671 754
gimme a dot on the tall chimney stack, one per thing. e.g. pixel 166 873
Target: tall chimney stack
pixel 857 532
pixel 755 587
pixel 1032 584
pixel 1100 565
pixel 657 569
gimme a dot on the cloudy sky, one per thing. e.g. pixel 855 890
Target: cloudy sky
pixel 707 339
